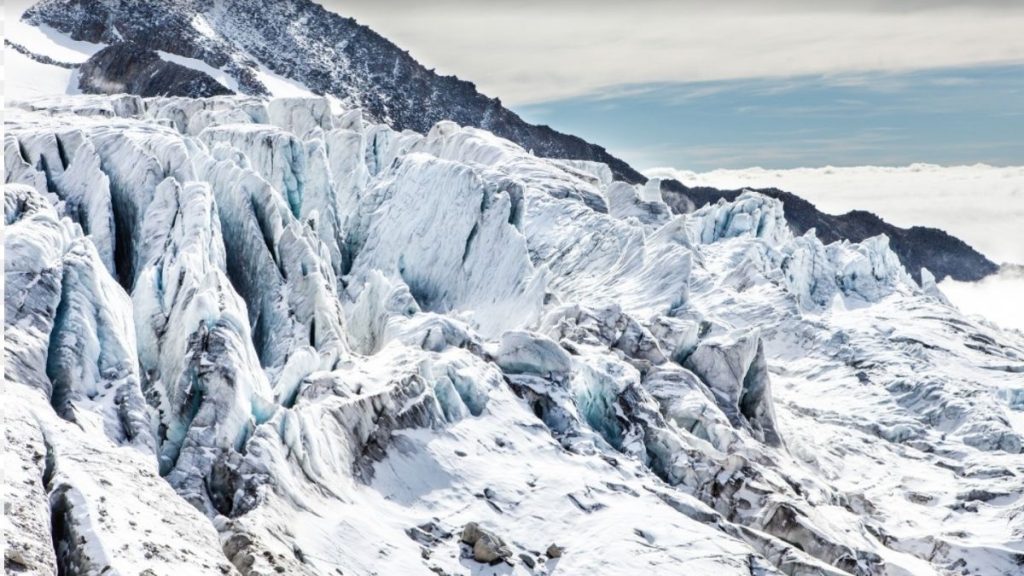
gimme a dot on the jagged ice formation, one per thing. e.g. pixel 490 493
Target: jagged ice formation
pixel 261 337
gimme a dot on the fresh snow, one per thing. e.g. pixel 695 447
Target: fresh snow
pixel 257 337
pixel 46 41
pixel 25 78
pixel 280 86
pixel 216 73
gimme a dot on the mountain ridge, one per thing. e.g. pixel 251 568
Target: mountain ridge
pixel 339 57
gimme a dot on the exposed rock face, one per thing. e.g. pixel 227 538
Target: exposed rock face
pixel 127 68
pixel 917 247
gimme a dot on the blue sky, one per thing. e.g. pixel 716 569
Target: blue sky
pixel 737 83
pixel 961 115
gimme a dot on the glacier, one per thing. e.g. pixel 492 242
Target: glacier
pixel 249 336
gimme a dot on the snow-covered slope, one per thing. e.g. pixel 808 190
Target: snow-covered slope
pixel 271 337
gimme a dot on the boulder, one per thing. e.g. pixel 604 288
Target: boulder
pixel 488 548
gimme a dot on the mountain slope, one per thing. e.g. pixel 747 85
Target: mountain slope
pixel 263 47
pixel 327 53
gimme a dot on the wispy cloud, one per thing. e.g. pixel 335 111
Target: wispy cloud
pixel 774 153
pixel 957 115
pixel 531 51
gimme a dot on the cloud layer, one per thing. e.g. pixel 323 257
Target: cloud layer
pixel 996 297
pixel 943 116
pixel 528 51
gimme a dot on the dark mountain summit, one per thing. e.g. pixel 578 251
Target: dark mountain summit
pixel 126 68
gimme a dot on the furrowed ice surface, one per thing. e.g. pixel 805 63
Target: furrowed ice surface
pixel 82 492
pixel 272 337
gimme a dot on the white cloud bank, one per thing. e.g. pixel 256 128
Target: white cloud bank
pixel 999 298
pixel 528 51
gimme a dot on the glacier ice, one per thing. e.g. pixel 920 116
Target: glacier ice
pixel 735 369
pixel 441 240
pixel 92 356
pixel 195 346
pixel 255 337
pixel 751 215
pixel 80 464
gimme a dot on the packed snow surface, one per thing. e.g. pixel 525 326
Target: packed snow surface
pixel 25 78
pixel 258 337
pixel 44 40
pixel 216 73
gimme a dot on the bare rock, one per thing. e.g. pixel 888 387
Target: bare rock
pixel 488 548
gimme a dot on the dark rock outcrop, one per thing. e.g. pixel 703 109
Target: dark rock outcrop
pixel 127 68
pixel 917 247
